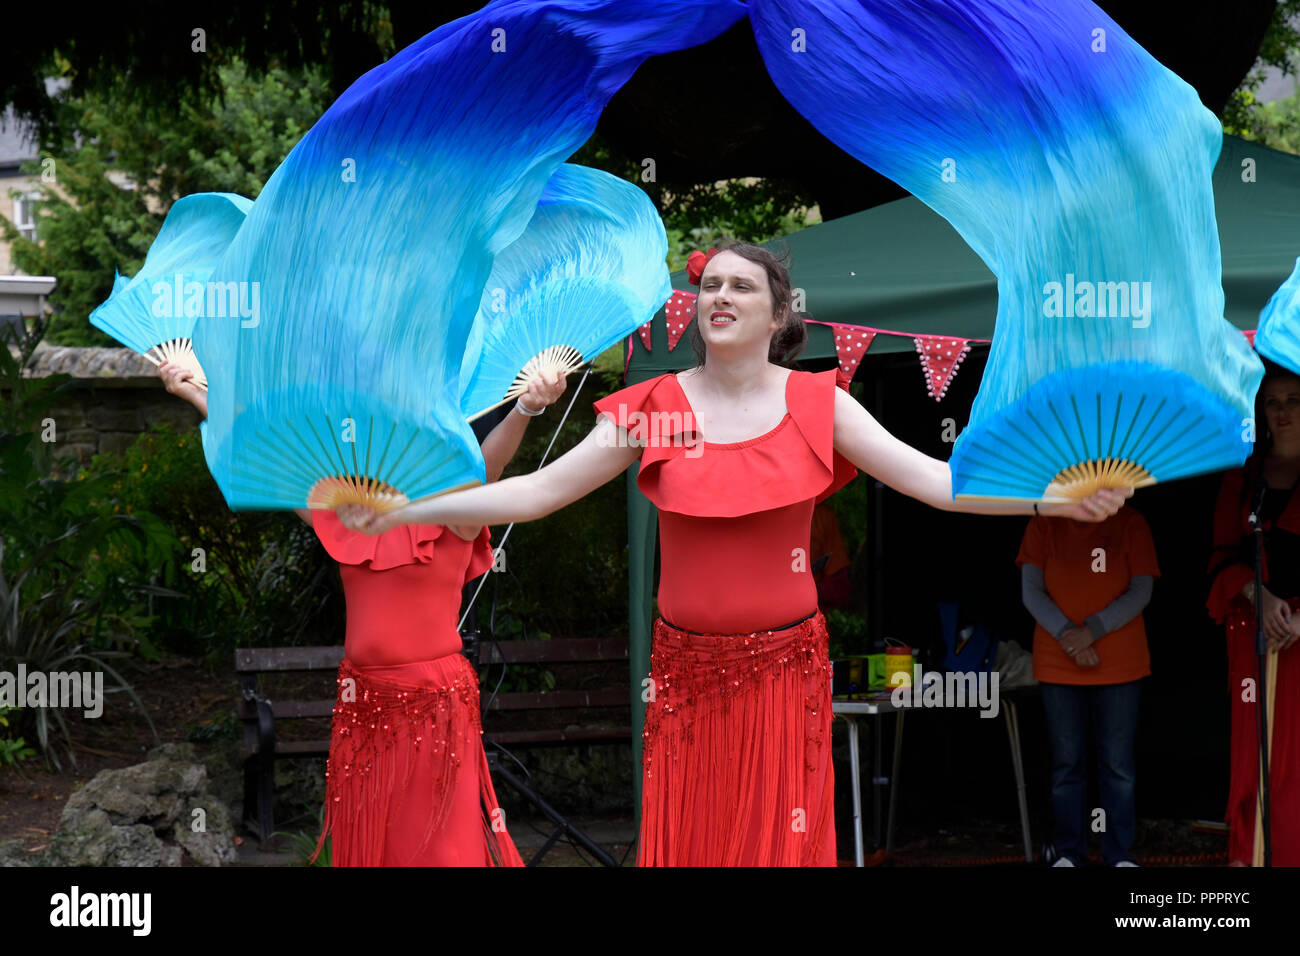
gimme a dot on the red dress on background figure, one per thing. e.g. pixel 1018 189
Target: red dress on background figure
pixel 737 743
pixel 1232 566
pixel 407 782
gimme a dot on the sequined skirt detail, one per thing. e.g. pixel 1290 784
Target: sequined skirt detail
pixel 402 740
pixel 737 749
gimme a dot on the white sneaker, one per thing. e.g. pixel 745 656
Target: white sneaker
pixel 1126 863
pixel 1063 861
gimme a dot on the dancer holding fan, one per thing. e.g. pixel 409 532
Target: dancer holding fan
pixel 416 792
pixel 737 766
pixel 1272 477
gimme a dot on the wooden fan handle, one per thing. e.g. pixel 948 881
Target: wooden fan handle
pixel 1270 685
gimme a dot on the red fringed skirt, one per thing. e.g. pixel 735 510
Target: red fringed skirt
pixel 1284 759
pixel 407 782
pixel 737 749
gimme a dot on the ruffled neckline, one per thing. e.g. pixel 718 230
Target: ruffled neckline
pixel 789 464
pixel 405 544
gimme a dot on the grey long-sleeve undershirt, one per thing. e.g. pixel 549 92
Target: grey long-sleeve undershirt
pixel 1110 618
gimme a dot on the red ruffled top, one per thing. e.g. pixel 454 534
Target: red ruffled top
pixel 403 587
pixel 734 519
pixel 1231 564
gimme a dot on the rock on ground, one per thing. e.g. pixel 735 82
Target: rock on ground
pixel 151 814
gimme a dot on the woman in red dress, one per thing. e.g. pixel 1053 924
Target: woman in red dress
pixel 407 782
pixel 735 454
pixel 1273 471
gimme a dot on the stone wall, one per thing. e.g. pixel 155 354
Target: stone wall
pixel 114 396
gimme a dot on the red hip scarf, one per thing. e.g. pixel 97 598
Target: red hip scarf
pixel 407 782
pixel 737 749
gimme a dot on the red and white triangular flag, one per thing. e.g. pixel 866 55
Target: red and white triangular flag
pixel 940 357
pixel 851 343
pixel 678 312
pixel 644 332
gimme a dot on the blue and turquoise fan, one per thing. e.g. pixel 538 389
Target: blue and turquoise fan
pixel 371 246
pixel 1079 169
pixel 155 311
pixel 1105 419
pixel 1277 336
pixel 586 273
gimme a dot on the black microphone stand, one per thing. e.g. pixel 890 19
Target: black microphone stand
pixel 1261 688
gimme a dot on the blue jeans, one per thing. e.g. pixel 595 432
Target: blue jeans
pixel 1112 710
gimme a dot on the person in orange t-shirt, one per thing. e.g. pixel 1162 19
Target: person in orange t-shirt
pixel 1086 586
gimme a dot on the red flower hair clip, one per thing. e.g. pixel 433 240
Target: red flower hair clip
pixel 695 264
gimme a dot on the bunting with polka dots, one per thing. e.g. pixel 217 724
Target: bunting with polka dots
pixel 644 332
pixel 940 357
pixel 850 345
pixel 678 312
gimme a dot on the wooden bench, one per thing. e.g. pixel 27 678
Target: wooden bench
pixel 537 653
pixel 567 651
pixel 261 715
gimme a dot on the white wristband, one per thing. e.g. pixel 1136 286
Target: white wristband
pixel 523 409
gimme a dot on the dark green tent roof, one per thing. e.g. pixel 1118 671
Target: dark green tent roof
pixel 902 267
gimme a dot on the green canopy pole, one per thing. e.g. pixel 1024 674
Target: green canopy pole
pixel 642 534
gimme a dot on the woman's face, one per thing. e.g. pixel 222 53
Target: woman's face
pixel 1282 407
pixel 734 307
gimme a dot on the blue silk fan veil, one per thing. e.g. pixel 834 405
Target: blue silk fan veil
pixel 370 250
pixel 1078 168
pixel 1278 335
pixel 154 312
pixel 587 271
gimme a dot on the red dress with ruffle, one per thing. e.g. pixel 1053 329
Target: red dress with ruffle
pixel 407 782
pixel 737 744
pixel 1232 567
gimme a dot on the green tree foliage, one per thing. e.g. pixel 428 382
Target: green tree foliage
pixel 1267 123
pixel 1276 125
pixel 108 198
pixel 148 52
pixel 249 578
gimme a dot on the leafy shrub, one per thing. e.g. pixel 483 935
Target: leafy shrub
pixel 12 750
pixel 247 578
pixel 60 606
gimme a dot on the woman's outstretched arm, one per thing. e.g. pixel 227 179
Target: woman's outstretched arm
pixel 602 455
pixel 865 442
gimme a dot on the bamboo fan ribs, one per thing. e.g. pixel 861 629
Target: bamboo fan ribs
pixel 338 466
pixel 1124 424
pixel 562 359
pixel 180 352
pixel 587 271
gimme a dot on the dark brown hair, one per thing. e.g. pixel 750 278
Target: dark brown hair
pixel 791 337
pixel 1263 437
